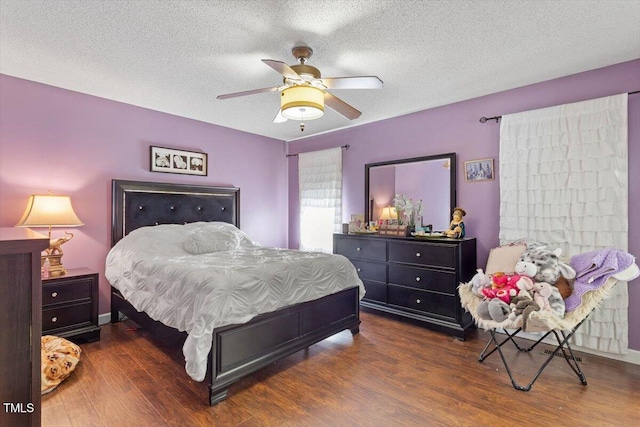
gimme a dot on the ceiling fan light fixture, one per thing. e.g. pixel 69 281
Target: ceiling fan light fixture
pixel 302 103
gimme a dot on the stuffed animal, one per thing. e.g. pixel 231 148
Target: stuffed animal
pixel 502 286
pixel 479 281
pixel 522 304
pixel 548 298
pixel 544 265
pixel 494 309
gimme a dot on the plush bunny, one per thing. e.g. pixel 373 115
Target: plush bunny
pixel 479 281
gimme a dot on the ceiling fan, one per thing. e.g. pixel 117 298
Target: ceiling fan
pixel 304 92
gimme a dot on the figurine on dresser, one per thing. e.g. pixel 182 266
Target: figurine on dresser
pixel 456 228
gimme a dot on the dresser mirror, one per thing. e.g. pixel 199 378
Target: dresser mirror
pixel 431 179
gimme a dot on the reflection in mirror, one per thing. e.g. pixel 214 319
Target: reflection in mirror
pixel 431 179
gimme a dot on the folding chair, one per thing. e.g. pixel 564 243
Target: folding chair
pixel 541 321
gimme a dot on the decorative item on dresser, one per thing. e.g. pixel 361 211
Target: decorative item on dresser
pixel 414 278
pixel 70 305
pixel 20 324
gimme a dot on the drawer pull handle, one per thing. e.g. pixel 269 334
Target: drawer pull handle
pixel 418 279
pixel 359 270
pixel 418 254
pixel 418 301
pixel 358 249
pixel 54 294
pixel 54 319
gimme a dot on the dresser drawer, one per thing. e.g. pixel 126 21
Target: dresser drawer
pixel 357 248
pixel 57 293
pixel 432 254
pixel 423 301
pixel 370 270
pixel 70 315
pixel 376 291
pixel 422 278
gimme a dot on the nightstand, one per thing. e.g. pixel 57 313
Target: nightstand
pixel 70 305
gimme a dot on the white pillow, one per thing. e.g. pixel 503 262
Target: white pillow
pixel 215 237
pixel 211 240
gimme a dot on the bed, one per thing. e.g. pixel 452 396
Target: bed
pixel 237 349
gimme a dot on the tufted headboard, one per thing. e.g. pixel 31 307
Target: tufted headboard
pixel 137 204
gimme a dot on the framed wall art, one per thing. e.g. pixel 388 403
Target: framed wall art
pixel 478 170
pixel 170 160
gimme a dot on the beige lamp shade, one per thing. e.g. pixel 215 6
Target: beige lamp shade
pixel 49 211
pixel 388 214
pixel 302 103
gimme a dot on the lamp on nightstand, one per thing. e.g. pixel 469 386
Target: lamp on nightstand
pixel 47 210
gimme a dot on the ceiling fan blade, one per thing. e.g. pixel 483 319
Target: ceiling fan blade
pixel 341 107
pixel 249 92
pixel 279 118
pixel 358 82
pixel 282 68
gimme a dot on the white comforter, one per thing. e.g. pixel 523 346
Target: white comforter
pixel 197 293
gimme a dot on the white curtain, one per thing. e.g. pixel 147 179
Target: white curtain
pixel 564 181
pixel 320 182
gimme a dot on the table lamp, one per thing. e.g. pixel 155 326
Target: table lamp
pixel 47 210
pixel 388 213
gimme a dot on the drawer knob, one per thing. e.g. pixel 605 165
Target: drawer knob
pixel 418 301
pixel 418 279
pixel 359 270
pixel 418 254
pixel 358 249
pixel 54 294
pixel 54 319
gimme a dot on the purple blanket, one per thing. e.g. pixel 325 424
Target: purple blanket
pixel 592 271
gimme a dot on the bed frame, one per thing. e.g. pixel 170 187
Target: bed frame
pixel 236 350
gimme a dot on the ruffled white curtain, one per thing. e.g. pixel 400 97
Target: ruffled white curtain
pixel 320 186
pixel 564 181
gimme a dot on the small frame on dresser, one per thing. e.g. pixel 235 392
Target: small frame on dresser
pixel 478 170
pixel 186 162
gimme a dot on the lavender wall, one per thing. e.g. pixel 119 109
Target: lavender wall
pixel 455 128
pixel 74 144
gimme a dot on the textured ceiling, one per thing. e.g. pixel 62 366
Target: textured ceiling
pixel 177 56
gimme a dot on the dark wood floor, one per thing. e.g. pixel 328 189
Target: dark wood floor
pixel 392 373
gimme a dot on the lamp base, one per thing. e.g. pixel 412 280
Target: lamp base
pixel 56 268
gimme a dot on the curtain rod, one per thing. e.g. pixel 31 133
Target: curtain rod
pixel 496 118
pixel 346 147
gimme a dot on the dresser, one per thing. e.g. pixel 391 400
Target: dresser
pixel 70 305
pixel 414 278
pixel 20 323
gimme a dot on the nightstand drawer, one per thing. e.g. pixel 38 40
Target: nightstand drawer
pixel 69 315
pixel 70 305
pixel 423 254
pixel 57 293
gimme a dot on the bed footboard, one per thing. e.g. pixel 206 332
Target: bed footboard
pixel 243 349
pixel 239 350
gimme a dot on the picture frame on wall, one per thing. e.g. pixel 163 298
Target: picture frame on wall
pixel 479 170
pixel 169 160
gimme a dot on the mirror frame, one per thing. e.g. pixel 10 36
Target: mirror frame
pixel 452 178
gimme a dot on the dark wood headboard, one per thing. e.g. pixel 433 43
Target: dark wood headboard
pixel 138 204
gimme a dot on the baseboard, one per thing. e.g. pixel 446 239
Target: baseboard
pixel 104 318
pixel 633 356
